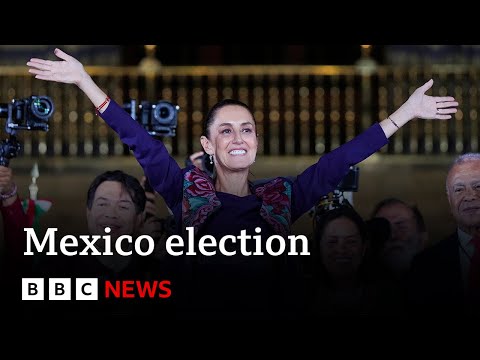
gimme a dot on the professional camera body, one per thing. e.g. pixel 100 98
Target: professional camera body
pixel 349 183
pixel 159 119
pixel 31 113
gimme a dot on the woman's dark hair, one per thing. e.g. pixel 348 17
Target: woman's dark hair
pixel 130 183
pixel 215 108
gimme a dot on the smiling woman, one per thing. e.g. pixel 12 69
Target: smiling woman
pixel 230 203
pixel 231 141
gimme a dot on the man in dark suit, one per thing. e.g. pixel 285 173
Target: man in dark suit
pixel 441 280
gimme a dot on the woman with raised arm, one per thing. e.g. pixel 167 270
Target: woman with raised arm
pixel 228 202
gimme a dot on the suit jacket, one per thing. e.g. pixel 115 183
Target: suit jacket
pixel 434 283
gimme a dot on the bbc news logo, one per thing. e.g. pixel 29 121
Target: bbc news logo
pixel 88 289
pixel 59 289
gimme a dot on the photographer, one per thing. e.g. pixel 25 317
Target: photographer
pixel 31 113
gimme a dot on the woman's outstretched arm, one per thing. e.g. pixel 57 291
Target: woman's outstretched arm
pixel 323 177
pixel 68 71
pixel 161 169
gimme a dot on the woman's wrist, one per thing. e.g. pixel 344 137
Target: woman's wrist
pixel 8 192
pixel 94 93
pixel 85 81
pixel 403 114
pixel 9 201
pixel 400 117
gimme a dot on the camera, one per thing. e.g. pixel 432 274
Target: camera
pixel 159 119
pixel 9 149
pixel 350 181
pixel 31 113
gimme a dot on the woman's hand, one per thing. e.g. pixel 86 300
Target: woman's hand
pixel 420 106
pixel 154 225
pixel 424 106
pixel 197 159
pixel 68 70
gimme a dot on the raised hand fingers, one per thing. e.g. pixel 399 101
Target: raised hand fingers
pixel 442 117
pixel 426 86
pixel 62 55
pixel 446 111
pixel 42 65
pixel 441 99
pixel 150 207
pixel 39 74
pixel 443 114
pixel 154 223
pixel 196 155
pixel 36 62
pixel 447 104
pixel 150 196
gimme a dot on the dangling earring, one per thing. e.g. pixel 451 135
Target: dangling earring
pixel 211 159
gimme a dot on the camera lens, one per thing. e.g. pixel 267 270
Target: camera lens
pixel 42 107
pixel 164 113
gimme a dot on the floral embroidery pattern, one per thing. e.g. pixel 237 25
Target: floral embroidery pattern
pixel 199 198
pixel 200 201
pixel 276 204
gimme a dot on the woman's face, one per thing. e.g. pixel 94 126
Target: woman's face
pixel 233 138
pixel 341 247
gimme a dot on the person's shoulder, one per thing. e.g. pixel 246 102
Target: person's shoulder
pixel 438 250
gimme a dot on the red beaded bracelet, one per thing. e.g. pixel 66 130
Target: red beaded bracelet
pixel 97 111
